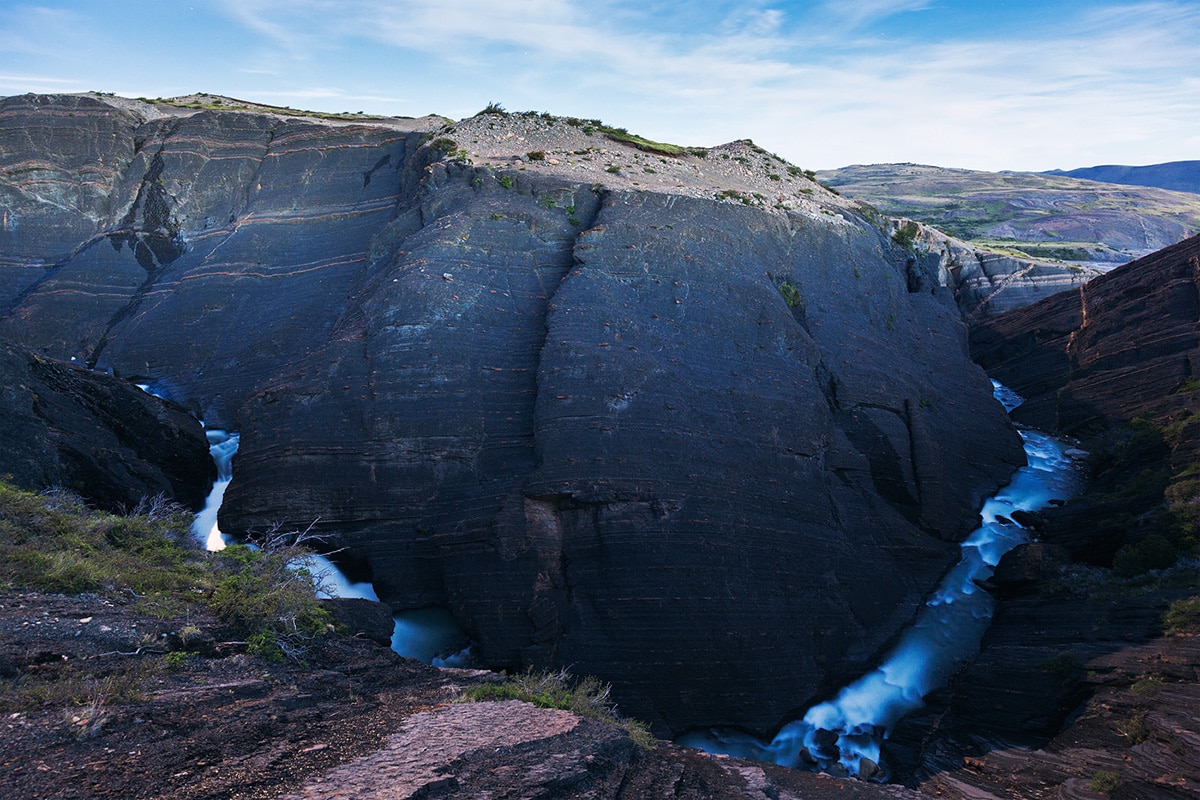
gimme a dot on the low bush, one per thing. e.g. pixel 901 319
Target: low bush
pixel 53 542
pixel 791 294
pixel 1183 616
pixel 1104 781
pixel 586 696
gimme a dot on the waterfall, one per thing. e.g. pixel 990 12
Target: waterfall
pixel 428 634
pixel 221 446
pixel 845 733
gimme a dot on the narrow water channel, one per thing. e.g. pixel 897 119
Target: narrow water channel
pixel 843 735
pixel 426 634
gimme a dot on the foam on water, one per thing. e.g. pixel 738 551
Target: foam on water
pixel 845 733
pixel 222 446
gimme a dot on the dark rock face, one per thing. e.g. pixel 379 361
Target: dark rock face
pixel 588 420
pixel 99 436
pixel 197 220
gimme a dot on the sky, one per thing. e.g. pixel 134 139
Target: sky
pixel 979 84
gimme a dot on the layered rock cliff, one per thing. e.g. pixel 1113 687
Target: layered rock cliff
pixel 986 282
pixel 1124 345
pixel 681 419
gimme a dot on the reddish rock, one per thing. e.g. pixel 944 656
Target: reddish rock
pixel 1122 345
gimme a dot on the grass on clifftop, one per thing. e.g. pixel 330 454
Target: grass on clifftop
pixel 587 697
pixel 590 126
pixel 52 542
pixel 229 104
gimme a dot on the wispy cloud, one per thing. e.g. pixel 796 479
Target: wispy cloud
pixel 823 83
pixel 854 14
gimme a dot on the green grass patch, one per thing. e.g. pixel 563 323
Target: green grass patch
pixel 586 696
pixel 1183 616
pixel 53 542
pixel 791 294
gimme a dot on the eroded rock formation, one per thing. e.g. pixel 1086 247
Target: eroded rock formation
pixel 1125 344
pixel 107 440
pixel 684 421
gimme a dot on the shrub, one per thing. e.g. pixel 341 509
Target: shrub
pixel 1105 781
pixel 1153 552
pixel 270 596
pixel 536 155
pixel 445 144
pixel 506 181
pixel 905 235
pixel 1135 729
pixel 586 696
pixel 1183 616
pixel 791 294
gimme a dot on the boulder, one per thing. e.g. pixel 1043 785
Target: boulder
pixel 103 438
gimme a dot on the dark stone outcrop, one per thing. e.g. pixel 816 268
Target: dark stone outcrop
pixel 365 619
pixel 104 438
pixel 710 444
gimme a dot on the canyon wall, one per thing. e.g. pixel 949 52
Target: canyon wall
pixel 683 420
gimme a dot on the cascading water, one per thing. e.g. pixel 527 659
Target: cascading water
pixel 846 733
pixel 429 634
pixel 221 446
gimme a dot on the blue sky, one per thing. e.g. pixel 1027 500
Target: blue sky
pixel 982 84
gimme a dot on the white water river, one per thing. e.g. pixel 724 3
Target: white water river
pixel 845 733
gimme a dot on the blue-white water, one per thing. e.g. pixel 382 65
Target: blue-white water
pixel 221 446
pixel 427 634
pixel 845 733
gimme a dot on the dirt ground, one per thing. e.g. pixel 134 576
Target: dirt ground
pixel 95 707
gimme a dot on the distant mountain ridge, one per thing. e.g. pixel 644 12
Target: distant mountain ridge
pixel 1041 216
pixel 1178 176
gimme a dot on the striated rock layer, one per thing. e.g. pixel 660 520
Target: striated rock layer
pixel 682 420
pixel 1123 345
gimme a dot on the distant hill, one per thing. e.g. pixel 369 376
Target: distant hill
pixel 1179 176
pixel 1041 216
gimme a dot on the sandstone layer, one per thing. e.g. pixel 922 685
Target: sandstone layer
pixel 678 418
pixel 1123 345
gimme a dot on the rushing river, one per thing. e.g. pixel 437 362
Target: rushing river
pixel 426 634
pixel 845 733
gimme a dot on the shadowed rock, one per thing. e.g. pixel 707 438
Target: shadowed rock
pixel 64 426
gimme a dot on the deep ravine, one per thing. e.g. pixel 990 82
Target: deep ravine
pixel 843 735
pixel 429 635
